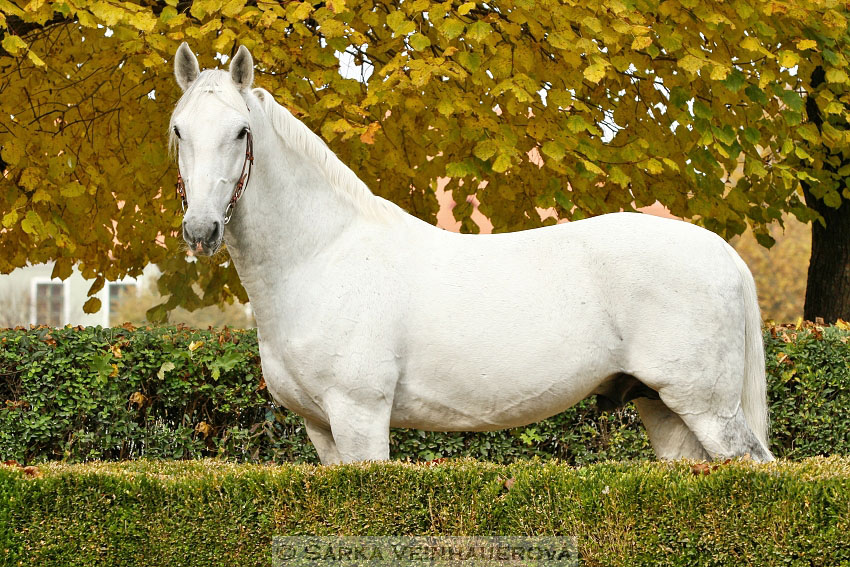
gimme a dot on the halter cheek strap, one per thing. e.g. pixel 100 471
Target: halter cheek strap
pixel 244 176
pixel 238 190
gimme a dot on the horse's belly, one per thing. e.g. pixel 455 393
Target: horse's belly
pixel 476 397
pixel 502 352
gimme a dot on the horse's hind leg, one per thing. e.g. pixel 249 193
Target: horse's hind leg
pixel 670 437
pixel 715 417
pixel 725 434
pixel 702 383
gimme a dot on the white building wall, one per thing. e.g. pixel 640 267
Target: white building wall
pixel 23 281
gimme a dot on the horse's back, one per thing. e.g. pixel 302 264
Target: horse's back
pixel 623 259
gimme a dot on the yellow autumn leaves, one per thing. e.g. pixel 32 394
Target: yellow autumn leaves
pixel 623 106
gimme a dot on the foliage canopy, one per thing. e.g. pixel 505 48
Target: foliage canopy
pixel 584 107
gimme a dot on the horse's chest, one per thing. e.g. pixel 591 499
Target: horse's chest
pixel 290 377
pixel 301 370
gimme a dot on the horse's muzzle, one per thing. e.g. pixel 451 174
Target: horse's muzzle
pixel 203 236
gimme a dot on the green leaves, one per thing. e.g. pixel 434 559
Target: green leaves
pixel 118 394
pixel 792 99
pixel 101 365
pixel 107 394
pixel 452 28
pixel 478 31
pixel 554 150
pixel 224 363
pixel 485 149
pixel 734 81
pixel 399 24
pixel 32 224
pixel 13 44
pixel 73 189
pixel 836 76
pixel 470 60
pixel 419 42
pixel 502 163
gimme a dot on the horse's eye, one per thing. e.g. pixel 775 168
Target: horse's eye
pixel 177 132
pixel 242 133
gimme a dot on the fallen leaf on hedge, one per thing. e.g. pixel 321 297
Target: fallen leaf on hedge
pixel 195 345
pixel 32 471
pixel 138 398
pixel 204 428
pixel 700 468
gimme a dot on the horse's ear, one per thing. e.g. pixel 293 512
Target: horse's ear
pixel 186 68
pixel 242 69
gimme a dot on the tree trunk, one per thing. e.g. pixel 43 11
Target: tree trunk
pixel 828 284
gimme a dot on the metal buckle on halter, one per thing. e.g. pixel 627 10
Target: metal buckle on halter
pixel 228 212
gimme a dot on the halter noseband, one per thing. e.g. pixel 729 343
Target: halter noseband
pixel 238 190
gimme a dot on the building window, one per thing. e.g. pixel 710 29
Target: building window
pixel 117 293
pixel 49 304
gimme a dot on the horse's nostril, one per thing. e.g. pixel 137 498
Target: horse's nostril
pixel 215 232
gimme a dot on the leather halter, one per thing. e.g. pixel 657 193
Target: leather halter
pixel 238 190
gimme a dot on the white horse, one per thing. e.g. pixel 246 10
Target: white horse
pixel 370 318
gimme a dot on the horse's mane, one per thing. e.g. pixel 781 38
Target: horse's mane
pixel 301 139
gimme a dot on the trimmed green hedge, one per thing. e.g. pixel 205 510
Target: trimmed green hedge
pixel 78 394
pixel 210 513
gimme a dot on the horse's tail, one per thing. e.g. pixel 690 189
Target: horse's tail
pixel 754 392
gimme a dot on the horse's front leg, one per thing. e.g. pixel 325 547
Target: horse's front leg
pixel 360 423
pixel 322 438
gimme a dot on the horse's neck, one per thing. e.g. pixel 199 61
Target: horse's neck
pixel 288 214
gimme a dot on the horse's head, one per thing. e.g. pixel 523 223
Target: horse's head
pixel 211 129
